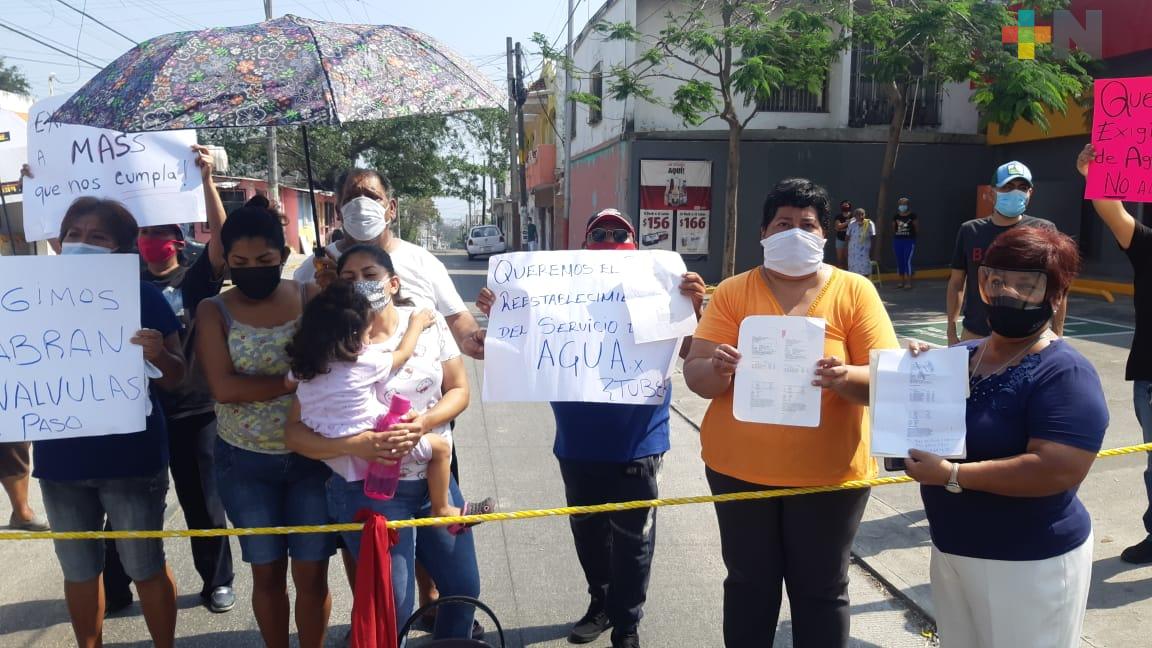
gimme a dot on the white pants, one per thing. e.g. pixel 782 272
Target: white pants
pixel 1011 604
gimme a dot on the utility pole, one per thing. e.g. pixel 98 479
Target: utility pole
pixel 52 79
pixel 513 148
pixel 273 154
pixel 569 122
pixel 521 96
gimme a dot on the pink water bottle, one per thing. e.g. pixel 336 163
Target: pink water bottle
pixel 383 479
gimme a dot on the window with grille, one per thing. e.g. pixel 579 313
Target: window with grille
pixel 233 199
pixel 596 113
pixel 796 100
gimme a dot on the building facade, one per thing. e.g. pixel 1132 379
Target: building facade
pixel 300 229
pixel 836 137
pixel 542 137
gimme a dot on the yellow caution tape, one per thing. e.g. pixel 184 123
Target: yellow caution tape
pixel 493 517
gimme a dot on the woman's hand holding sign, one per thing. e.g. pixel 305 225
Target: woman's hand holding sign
pixel 164 353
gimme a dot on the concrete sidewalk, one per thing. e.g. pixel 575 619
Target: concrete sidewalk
pixel 893 542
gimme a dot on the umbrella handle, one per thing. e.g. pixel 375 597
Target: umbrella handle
pixel 311 192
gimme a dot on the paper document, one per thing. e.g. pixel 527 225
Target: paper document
pixel 777 366
pixel 652 288
pixel 919 402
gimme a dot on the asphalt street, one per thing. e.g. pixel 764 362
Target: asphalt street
pixel 529 571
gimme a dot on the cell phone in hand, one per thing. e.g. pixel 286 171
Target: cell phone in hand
pixel 893 464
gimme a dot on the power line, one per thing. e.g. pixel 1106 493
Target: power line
pixel 98 22
pixel 9 57
pixel 75 51
pixel 51 47
pixel 555 41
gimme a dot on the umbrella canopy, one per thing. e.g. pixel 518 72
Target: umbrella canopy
pixel 287 71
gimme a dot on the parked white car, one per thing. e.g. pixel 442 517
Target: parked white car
pixel 485 239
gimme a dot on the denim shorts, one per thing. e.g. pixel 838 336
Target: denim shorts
pixel 449 559
pixel 130 504
pixel 267 490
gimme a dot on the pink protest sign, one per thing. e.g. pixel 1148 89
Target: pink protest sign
pixel 1122 136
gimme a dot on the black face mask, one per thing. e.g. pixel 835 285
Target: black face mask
pixel 1015 322
pixel 257 282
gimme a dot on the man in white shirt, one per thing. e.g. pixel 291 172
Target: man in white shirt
pixel 368 209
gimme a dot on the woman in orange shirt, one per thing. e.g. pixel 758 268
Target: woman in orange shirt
pixel 804 541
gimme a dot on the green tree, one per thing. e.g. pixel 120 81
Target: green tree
pixel 406 149
pixel 903 41
pixel 727 56
pixel 479 156
pixel 464 178
pixel 13 80
pixel 417 216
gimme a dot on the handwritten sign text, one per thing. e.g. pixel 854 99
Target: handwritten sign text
pixel 153 174
pixel 560 331
pixel 67 368
pixel 1122 137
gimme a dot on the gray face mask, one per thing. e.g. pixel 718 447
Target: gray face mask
pixel 375 291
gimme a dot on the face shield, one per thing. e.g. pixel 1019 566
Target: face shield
pixel 1019 289
pixel 1017 302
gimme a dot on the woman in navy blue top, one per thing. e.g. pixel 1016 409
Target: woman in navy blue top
pixel 121 478
pixel 1012 555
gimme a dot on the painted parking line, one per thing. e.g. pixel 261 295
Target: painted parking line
pixel 1074 327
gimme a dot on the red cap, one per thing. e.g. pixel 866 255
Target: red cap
pixel 610 219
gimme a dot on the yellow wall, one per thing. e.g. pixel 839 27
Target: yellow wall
pixel 1059 126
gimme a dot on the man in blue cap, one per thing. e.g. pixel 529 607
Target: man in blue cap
pixel 1013 184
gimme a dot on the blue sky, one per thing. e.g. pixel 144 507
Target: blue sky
pixel 476 29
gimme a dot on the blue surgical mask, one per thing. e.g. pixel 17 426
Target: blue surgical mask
pixel 903 209
pixel 83 248
pixel 1012 203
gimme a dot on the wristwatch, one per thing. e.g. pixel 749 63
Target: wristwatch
pixel 953 485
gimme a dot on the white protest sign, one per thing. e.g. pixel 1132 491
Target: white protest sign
pixel 560 331
pixel 657 309
pixel 13 153
pixel 66 366
pixel 153 174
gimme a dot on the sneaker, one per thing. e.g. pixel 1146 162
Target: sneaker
pixel 1139 553
pixel 590 626
pixel 222 599
pixel 626 640
pixel 487 505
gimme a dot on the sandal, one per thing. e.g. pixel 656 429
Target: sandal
pixel 488 505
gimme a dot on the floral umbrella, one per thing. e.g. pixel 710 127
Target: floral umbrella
pixel 287 71
pixel 283 72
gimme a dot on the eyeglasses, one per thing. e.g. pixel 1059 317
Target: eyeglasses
pixel 599 235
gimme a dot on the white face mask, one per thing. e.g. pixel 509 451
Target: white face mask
pixel 794 253
pixel 83 248
pixel 364 218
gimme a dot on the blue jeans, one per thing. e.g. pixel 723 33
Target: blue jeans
pixel 266 490
pixel 904 247
pixel 450 560
pixel 1142 401
pixel 130 504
